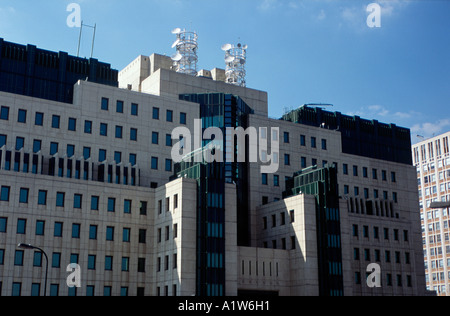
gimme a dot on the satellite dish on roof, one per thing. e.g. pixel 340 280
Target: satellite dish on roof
pixel 229 59
pixel 176 43
pixel 245 47
pixel 226 47
pixel 177 57
pixel 176 31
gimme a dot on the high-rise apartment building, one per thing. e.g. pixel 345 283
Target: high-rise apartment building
pixel 94 182
pixel 432 160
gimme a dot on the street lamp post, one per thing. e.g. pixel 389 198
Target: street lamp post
pixel 31 247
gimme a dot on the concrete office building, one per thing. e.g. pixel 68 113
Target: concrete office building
pixel 92 182
pixel 432 160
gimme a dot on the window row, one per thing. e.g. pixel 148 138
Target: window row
pixel 365 173
pixel 105 105
pixel 77 200
pixel 40 229
pixel 438 264
pixel 273 244
pixel 278 219
pixel 313 141
pixel 55 261
pixel 71 124
pixel 55 290
pixel 366 192
pixel 388 279
pixel 70 151
pixel 167 233
pixel 367 253
pixel 376 233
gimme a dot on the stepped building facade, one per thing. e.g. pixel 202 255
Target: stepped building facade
pixel 89 176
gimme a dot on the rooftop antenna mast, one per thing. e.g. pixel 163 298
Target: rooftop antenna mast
pixel 235 60
pixel 186 59
pixel 93 38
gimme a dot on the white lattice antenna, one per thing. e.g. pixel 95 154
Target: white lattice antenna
pixel 186 59
pixel 235 60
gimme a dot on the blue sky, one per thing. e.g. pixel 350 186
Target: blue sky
pixel 300 51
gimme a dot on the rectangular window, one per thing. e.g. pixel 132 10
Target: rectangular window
pixel 183 118
pixel 37 146
pixel 105 104
pixel 156 113
pixel 302 140
pixel 133 134
pixel 72 124
pixel 53 148
pixel 101 155
pixel 365 175
pixel 125 264
pixel 93 232
pixel 126 233
pixel 324 144
pixel 313 142
pixel 23 197
pixel 134 109
pixel 108 263
pixel 168 140
pixel 40 228
pixel 55 121
pixel 103 129
pixel 60 199
pixel 303 162
pixel 133 159
pixel 4 194
pixel 76 231
pixel 169 116
pixel 2 140
pixel 77 201
pixel 276 180
pixel 142 236
pixel 4 113
pixel 119 132
pixel 169 165
pixel 143 208
pixel 18 258
pixel 117 157
pixel 286 137
pixel 70 151
pixel 154 163
pixel 345 168
pixel 127 206
pixel 86 153
pixel 119 106
pixel 393 177
pixel 22 117
pixel 264 179
pixel 91 262
pixel 20 143
pixel 111 204
pixel 21 226
pixel 3 224
pixel 58 229
pixel 39 119
pixel 110 233
pixel 88 127
pixel 94 203
pixel 355 171
pixel 287 159
pixel 155 138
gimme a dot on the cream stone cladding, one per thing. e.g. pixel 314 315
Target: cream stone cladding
pixel 105 230
pixel 87 107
